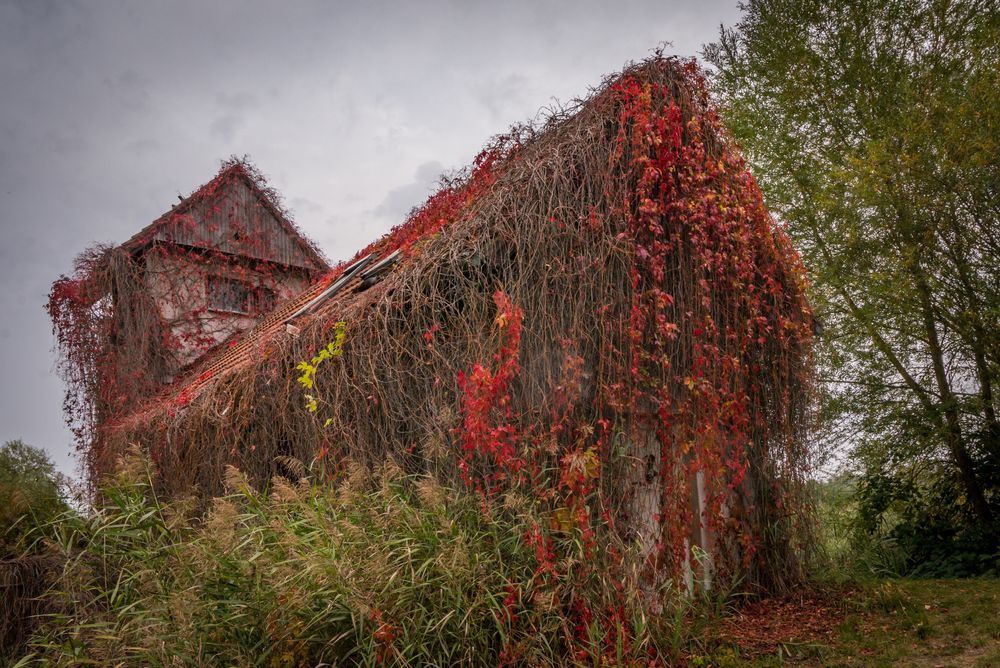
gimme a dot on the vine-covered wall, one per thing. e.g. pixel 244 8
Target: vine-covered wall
pixel 598 318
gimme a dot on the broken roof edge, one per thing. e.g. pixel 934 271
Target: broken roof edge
pixel 233 352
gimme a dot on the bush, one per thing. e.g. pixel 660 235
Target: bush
pixel 378 568
pixel 875 526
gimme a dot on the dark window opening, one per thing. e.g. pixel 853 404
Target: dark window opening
pixel 233 296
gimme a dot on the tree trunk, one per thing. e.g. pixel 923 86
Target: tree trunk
pixel 978 342
pixel 952 427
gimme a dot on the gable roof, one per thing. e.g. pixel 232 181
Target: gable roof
pixel 235 213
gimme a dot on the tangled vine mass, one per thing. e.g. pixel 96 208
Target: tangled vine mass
pixel 598 315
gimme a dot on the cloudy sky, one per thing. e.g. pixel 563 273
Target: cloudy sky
pixel 110 109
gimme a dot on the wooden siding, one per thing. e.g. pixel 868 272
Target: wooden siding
pixel 236 221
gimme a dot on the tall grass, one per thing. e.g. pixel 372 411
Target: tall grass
pixel 382 568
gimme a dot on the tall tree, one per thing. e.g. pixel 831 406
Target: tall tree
pixel 873 127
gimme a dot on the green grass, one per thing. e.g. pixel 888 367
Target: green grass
pixel 893 623
pixel 382 568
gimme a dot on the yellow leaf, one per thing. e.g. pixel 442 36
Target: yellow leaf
pixel 591 464
pixel 562 520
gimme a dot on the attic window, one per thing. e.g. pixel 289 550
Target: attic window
pixel 233 296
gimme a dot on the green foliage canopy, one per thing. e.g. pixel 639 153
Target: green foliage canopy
pixel 873 128
pixel 31 492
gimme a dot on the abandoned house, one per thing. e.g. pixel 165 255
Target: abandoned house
pixel 600 307
pixel 204 271
pixel 219 260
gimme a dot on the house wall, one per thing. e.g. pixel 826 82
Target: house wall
pixel 178 283
pixel 645 505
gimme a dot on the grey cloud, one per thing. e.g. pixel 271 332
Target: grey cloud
pixel 401 200
pixel 130 89
pixel 304 205
pixel 238 101
pixel 65 141
pixel 145 146
pixel 34 13
pixel 504 95
pixel 225 127
pixel 235 106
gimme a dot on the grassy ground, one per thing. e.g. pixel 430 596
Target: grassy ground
pixel 891 623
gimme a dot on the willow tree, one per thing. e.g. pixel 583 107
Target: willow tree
pixel 873 128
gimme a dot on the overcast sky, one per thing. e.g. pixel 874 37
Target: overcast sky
pixel 109 110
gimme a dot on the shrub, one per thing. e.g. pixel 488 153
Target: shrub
pixel 378 568
pixel 874 526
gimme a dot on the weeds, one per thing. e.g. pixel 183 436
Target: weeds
pixel 381 568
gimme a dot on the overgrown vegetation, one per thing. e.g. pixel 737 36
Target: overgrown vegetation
pixel 32 493
pixel 130 318
pixel 599 314
pixel 854 551
pixel 568 428
pixel 373 568
pixel 385 568
pixel 33 497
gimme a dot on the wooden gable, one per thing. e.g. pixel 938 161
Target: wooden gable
pixel 232 215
